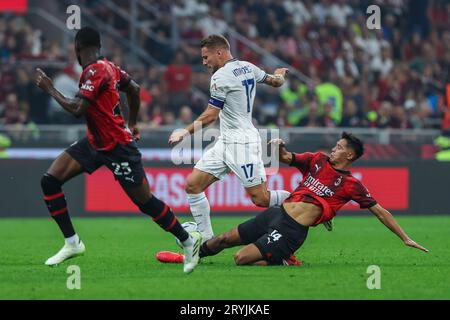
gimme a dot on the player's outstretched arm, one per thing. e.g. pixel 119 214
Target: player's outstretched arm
pixel 277 79
pixel 388 220
pixel 284 155
pixel 76 106
pixel 134 102
pixel 205 119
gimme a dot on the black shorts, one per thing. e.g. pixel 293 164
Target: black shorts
pixel 276 234
pixel 125 161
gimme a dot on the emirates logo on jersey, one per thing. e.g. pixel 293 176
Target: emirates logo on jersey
pixel 318 187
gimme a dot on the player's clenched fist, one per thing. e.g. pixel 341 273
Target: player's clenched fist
pixel 281 71
pixel 177 136
pixel 277 142
pixel 43 81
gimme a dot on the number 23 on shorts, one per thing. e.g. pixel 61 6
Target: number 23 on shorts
pixel 121 169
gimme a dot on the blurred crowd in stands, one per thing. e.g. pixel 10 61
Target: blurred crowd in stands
pixel 354 77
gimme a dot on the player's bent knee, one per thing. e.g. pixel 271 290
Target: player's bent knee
pixel 141 199
pixel 197 182
pixel 143 205
pixel 50 184
pixel 240 259
pixel 193 187
pixel 260 201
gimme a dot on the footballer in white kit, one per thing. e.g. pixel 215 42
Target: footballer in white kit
pixel 238 149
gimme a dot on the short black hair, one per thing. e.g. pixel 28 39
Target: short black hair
pixel 88 37
pixel 354 143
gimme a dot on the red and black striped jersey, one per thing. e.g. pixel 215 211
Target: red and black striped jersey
pixel 100 83
pixel 326 186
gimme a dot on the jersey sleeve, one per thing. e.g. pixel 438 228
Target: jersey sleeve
pixel 302 161
pixel 218 90
pixel 91 81
pixel 260 75
pixel 362 196
pixel 124 79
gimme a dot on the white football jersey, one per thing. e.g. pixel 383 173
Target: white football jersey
pixel 233 91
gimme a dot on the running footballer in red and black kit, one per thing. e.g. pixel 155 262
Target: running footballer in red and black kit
pixel 273 236
pixel 109 142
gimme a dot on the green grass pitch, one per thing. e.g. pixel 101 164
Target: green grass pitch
pixel 119 263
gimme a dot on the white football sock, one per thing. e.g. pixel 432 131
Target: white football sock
pixel 200 210
pixel 72 240
pixel 277 197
